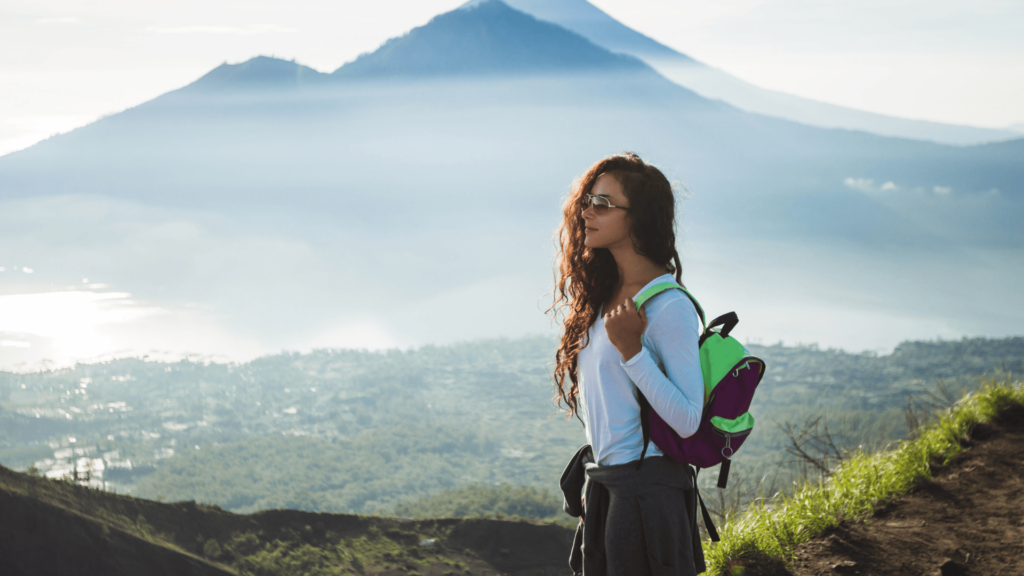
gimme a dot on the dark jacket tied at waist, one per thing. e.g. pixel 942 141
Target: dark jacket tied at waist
pixel 635 522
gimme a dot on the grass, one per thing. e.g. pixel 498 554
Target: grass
pixel 776 527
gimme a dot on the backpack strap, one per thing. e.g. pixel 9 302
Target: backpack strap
pixel 723 472
pixel 653 291
pixel 691 511
pixel 645 424
pixel 645 406
pixel 726 321
pixel 708 524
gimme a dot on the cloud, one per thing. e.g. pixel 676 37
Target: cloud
pixel 217 29
pixel 15 343
pixel 868 185
pixel 862 184
pixel 59 20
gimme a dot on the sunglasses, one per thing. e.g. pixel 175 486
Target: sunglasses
pixel 600 204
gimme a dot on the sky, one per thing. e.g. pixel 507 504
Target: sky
pixel 66 63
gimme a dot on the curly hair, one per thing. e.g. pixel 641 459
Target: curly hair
pixel 588 277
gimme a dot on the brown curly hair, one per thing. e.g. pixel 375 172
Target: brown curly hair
pixel 588 278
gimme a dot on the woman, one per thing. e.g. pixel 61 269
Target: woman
pixel 617 238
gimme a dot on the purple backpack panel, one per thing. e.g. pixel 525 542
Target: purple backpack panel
pixel 710 445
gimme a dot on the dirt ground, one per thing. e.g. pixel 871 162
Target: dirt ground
pixel 967 520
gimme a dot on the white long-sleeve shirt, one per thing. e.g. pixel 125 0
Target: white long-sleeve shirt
pixel 666 370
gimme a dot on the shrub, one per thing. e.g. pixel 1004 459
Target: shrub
pixel 211 549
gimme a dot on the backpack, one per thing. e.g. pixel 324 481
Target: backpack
pixel 731 374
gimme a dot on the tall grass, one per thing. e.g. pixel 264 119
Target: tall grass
pixel 777 526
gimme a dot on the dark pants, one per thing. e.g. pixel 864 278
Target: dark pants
pixel 639 522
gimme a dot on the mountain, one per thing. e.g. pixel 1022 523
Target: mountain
pixel 260 73
pixel 589 21
pixel 456 43
pixel 307 207
pixel 509 42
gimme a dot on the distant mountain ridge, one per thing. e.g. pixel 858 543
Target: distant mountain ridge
pixel 589 21
pixel 526 42
pixel 485 38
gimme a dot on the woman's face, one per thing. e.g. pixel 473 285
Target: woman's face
pixel 610 228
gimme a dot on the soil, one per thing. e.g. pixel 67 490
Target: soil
pixel 968 519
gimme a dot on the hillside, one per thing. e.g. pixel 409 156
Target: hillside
pixel 965 519
pixel 55 527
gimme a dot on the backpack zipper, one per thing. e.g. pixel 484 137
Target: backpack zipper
pixel 728 440
pixel 746 366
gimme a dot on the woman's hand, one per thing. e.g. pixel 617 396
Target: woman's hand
pixel 624 326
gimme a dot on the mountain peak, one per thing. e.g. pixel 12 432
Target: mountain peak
pixel 485 37
pixel 260 72
pixel 475 3
pixel 592 23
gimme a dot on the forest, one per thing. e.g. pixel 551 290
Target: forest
pixel 462 430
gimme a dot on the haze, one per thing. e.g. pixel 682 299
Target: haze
pixel 406 200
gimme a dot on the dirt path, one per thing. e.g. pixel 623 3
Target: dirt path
pixel 969 519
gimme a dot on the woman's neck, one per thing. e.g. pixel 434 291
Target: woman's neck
pixel 635 270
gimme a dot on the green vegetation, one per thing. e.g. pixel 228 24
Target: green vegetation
pixel 480 500
pixel 448 432
pixel 373 432
pixel 369 473
pixel 776 526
